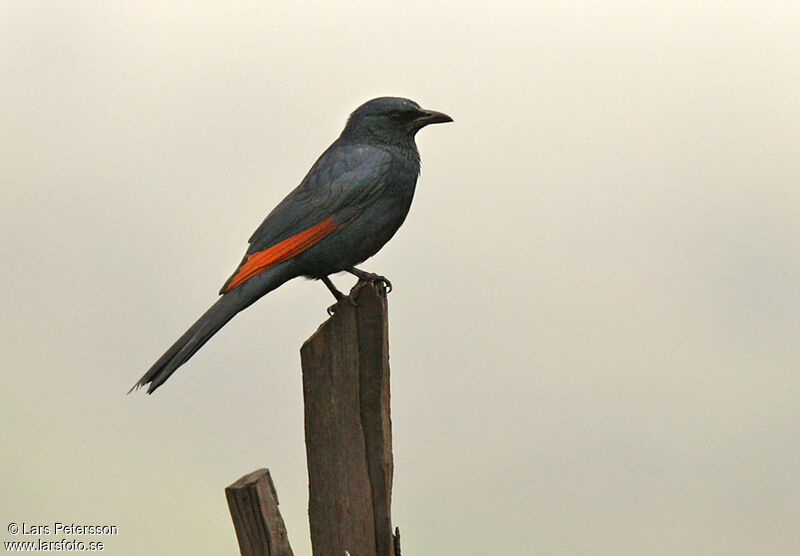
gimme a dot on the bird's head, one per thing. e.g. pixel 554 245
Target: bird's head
pixel 391 120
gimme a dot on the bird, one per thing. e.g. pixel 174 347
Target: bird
pixel 350 203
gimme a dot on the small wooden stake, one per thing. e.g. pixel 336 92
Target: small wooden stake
pixel 259 526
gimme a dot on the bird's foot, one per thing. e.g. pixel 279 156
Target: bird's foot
pixel 339 300
pixel 340 297
pixel 383 281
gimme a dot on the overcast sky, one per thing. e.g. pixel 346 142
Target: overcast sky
pixel 594 327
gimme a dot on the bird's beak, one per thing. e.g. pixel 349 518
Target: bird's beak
pixel 431 117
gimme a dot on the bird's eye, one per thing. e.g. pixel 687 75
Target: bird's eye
pixel 402 116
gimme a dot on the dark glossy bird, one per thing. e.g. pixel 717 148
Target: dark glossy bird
pixel 351 202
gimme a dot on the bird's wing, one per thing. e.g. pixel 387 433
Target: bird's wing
pixel 340 185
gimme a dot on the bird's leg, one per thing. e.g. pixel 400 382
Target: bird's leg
pixel 371 277
pixel 337 294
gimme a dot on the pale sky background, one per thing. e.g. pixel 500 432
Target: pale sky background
pixel 594 328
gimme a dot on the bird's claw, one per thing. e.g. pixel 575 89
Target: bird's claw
pixel 383 281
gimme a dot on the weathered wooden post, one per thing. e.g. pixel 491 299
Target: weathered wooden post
pixel 348 434
pixel 348 428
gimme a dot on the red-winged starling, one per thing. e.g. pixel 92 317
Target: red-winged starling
pixel 351 202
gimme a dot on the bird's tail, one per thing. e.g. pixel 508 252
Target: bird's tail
pixel 193 339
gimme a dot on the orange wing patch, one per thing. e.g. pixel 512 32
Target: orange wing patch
pixel 282 251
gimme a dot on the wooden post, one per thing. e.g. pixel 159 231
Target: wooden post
pixel 259 526
pixel 348 428
pixel 348 443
